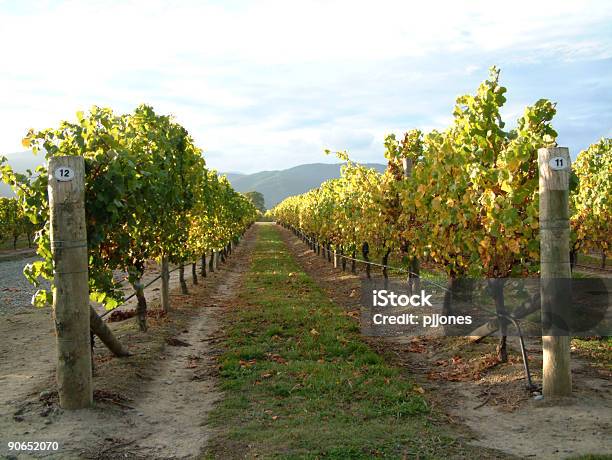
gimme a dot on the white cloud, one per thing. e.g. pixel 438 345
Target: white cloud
pixel 267 76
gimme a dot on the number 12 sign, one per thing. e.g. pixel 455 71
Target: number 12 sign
pixel 64 174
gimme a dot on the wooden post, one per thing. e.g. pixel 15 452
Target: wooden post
pixel 71 293
pixel 165 289
pixel 555 271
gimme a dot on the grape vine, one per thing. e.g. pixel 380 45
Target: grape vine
pixel 148 195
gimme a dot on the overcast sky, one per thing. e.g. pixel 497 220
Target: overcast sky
pixel 270 84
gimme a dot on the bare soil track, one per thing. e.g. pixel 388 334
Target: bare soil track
pixel 151 405
pixel 487 399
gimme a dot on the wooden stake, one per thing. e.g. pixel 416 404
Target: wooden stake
pixel 71 293
pixel 99 327
pixel 555 271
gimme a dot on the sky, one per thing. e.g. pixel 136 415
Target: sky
pixel 266 85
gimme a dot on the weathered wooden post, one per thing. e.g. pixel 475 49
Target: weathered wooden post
pixel 555 271
pixel 165 289
pixel 71 294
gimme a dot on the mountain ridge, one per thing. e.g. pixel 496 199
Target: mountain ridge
pixel 274 184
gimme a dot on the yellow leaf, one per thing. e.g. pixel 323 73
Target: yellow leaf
pixel 514 246
pixel 506 187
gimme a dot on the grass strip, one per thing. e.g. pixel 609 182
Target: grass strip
pixel 300 383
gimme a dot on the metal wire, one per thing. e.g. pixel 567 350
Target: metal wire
pixel 131 296
pixel 399 269
pixel 530 385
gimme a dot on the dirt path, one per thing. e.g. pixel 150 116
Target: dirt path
pixel 151 405
pixel 493 407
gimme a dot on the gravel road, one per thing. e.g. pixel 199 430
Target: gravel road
pixel 15 290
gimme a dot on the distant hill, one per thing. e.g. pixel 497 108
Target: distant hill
pixel 275 185
pixel 278 185
pixel 232 176
pixel 20 162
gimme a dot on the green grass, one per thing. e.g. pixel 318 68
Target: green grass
pixel 300 383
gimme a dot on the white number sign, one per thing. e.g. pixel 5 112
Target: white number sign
pixel 64 174
pixel 558 163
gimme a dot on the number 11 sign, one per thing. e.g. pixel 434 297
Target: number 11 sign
pixel 558 163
